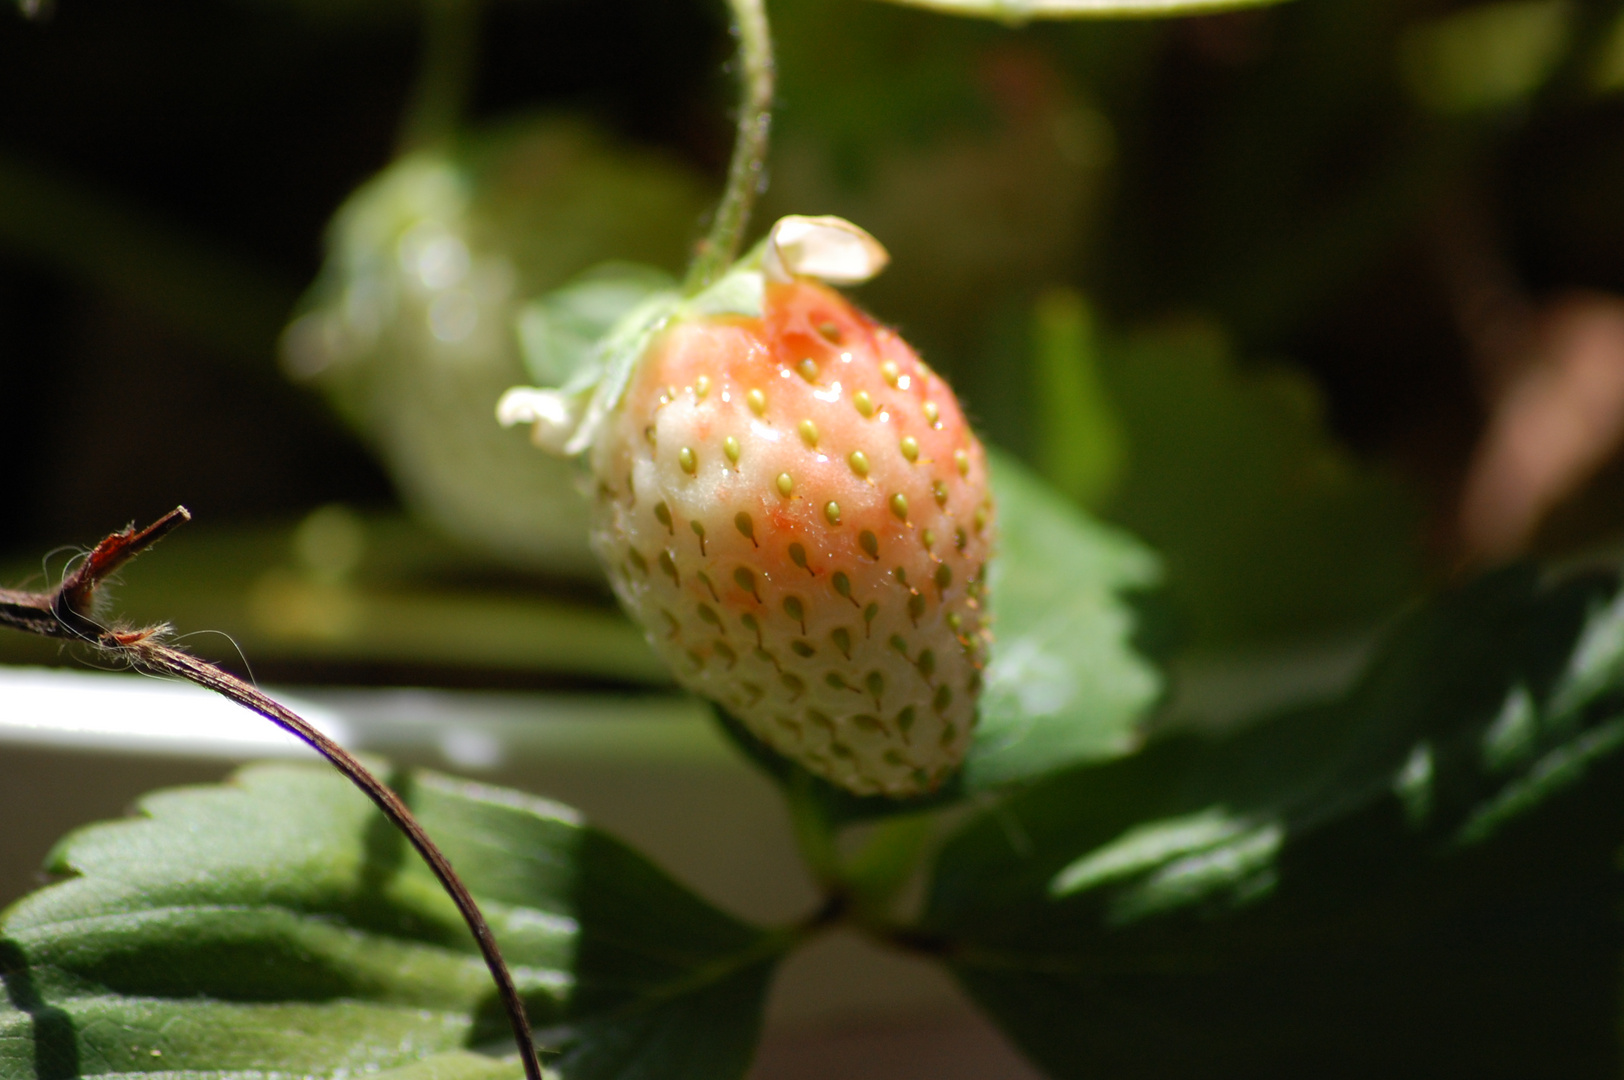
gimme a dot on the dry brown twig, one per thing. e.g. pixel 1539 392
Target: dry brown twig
pixel 68 612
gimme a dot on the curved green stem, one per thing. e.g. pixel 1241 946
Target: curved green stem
pixel 747 170
pixel 439 96
pixel 814 835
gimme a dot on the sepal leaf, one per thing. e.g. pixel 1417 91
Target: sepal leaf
pixel 595 332
pixel 560 331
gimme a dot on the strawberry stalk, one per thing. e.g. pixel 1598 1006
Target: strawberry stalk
pixel 747 170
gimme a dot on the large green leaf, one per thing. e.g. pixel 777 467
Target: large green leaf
pixel 1064 685
pixel 277 924
pixel 1417 880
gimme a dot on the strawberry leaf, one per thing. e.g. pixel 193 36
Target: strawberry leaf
pixel 1418 879
pixel 1065 685
pixel 277 924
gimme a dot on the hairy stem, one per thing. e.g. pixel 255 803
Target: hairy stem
pixel 747 171
pixel 68 612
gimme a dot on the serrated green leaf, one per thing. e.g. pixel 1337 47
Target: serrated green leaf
pixel 1417 879
pixel 1064 684
pixel 277 924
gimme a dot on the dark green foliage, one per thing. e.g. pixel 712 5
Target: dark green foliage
pixel 1416 881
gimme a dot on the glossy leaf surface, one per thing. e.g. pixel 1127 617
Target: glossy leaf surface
pixel 1417 879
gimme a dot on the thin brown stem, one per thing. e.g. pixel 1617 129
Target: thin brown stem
pixel 67 612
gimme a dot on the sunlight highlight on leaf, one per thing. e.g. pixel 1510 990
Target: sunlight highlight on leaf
pixel 277 925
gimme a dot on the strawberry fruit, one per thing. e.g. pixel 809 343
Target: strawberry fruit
pixel 794 508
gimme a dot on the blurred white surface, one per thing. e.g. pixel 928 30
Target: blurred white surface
pixel 134 715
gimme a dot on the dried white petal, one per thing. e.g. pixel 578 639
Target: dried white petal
pixel 553 415
pixel 829 248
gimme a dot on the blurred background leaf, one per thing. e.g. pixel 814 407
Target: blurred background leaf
pixel 1269 529
pixel 368 599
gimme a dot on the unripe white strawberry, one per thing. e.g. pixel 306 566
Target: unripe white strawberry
pixel 794 508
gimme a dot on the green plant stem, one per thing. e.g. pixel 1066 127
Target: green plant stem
pixel 878 872
pixel 814 836
pixel 747 170
pixel 67 612
pixel 439 97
